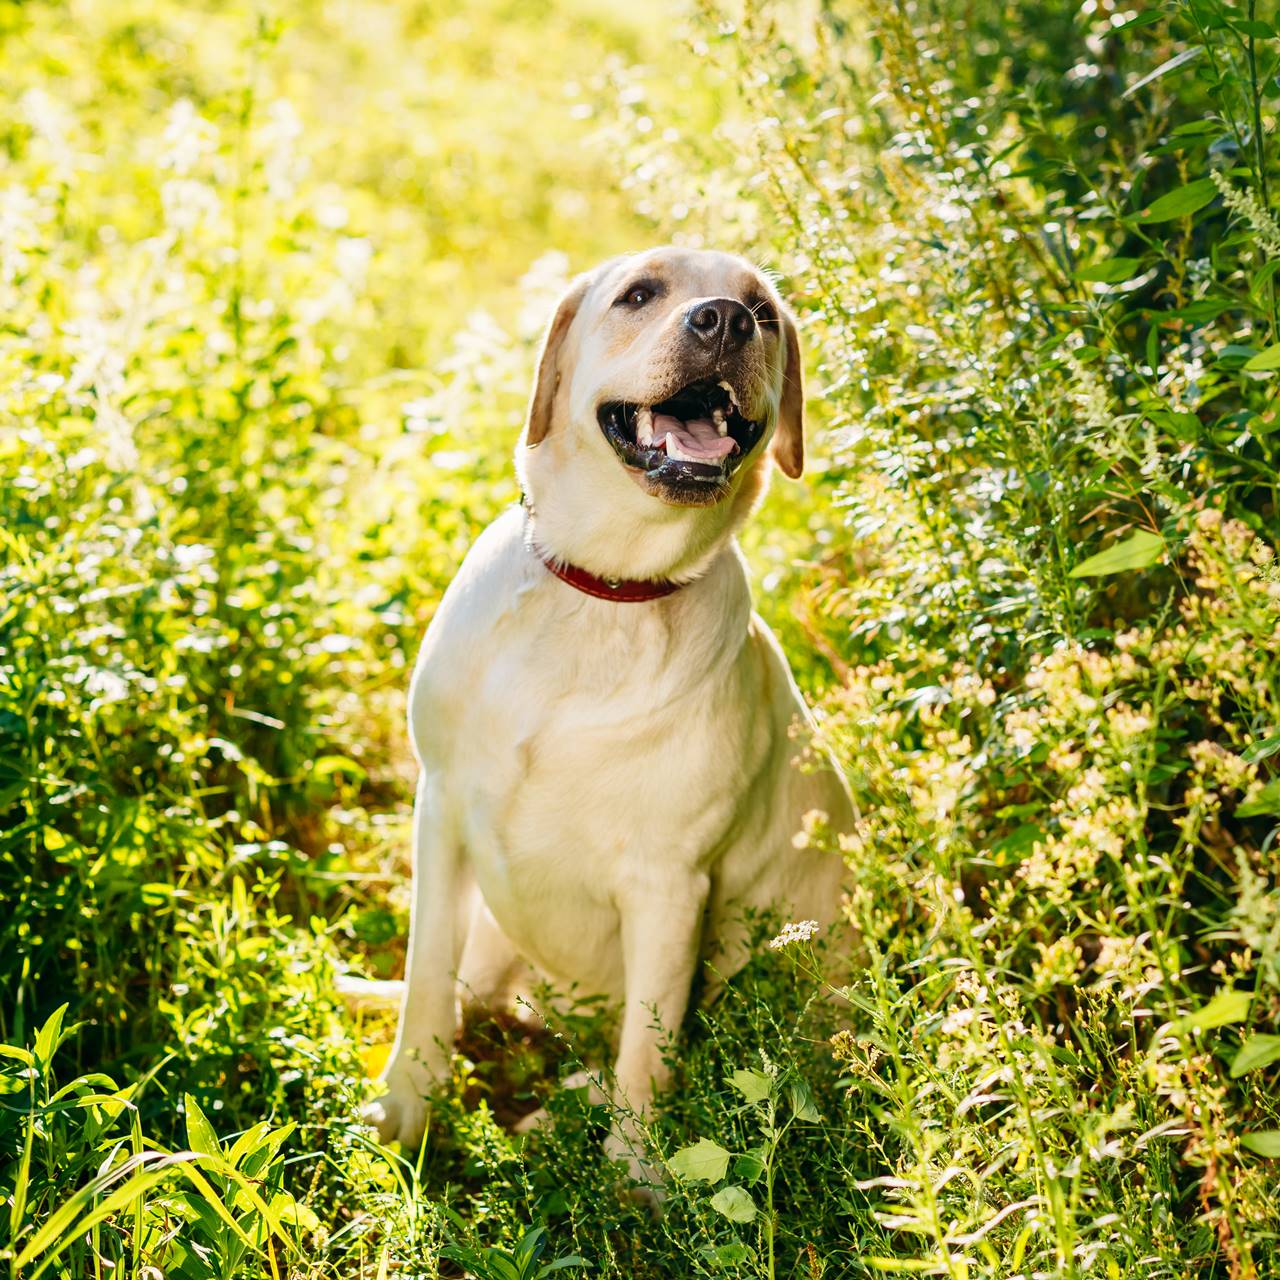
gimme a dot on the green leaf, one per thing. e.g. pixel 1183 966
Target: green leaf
pixel 1135 552
pixel 1257 1051
pixel 294 1213
pixel 200 1134
pixel 1142 20
pixel 49 1037
pixel 500 1265
pixel 1178 60
pixel 1266 801
pixel 725 1255
pixel 1268 358
pixel 1266 1142
pixel 326 766
pixel 1235 351
pixel 1112 271
pixel 736 1204
pixel 569 1260
pixel 79 1214
pixel 531 1244
pixel 1263 274
pixel 750 1166
pixel 1263 750
pixel 802 1103
pixel 1180 202
pixel 1226 1007
pixel 705 1161
pixel 755 1086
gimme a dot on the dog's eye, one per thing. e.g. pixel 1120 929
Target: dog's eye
pixel 763 310
pixel 636 295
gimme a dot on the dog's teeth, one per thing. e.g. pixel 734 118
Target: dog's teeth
pixel 674 451
pixel 733 399
pixel 722 427
pixel 644 427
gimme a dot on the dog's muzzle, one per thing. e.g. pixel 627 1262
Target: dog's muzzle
pixel 691 442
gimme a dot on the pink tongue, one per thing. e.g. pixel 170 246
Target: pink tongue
pixel 699 438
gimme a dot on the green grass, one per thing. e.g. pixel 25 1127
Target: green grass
pixel 270 280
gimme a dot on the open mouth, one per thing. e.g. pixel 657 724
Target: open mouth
pixel 697 437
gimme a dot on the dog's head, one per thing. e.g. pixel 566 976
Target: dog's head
pixel 664 379
pixel 684 362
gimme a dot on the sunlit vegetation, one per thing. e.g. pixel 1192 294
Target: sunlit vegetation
pixel 270 281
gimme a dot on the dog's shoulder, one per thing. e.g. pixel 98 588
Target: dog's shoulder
pixel 497 570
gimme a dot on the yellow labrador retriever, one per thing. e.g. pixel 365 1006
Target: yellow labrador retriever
pixel 614 755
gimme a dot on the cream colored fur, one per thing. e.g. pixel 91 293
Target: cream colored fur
pixel 605 786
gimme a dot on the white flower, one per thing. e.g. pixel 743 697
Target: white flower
pixel 800 931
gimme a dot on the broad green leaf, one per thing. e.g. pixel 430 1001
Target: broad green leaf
pixel 1268 358
pixel 1266 801
pixel 802 1103
pixel 1257 1051
pixel 560 1264
pixel 1135 552
pixel 755 1086
pixel 735 1204
pixel 250 1140
pixel 705 1161
pixel 1197 312
pixel 1180 202
pixel 725 1255
pixel 530 1245
pixel 500 1266
pixel 1235 351
pixel 220 1210
pixel 1266 1142
pixel 1193 128
pixel 750 1166
pixel 294 1213
pixel 1113 271
pixel 200 1134
pixel 1226 1007
pixel 1263 750
pixel 49 1037
pixel 255 1163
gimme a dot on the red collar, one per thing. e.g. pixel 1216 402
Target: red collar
pixel 622 590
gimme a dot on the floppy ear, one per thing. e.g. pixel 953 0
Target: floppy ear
pixel 550 368
pixel 788 440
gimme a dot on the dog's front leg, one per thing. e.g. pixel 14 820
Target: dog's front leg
pixel 428 1011
pixel 661 939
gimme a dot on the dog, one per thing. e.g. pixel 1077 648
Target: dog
pixel 615 760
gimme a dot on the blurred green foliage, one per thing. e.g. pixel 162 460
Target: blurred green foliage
pixel 270 279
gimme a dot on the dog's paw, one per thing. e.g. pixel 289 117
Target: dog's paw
pixel 585 1080
pixel 649 1197
pixel 400 1113
pixel 648 1189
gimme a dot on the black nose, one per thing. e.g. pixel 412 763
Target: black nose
pixel 721 323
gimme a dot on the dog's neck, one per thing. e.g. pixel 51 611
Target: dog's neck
pixel 630 535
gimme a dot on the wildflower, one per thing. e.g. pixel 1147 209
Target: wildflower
pixel 812 825
pixel 800 931
pixel 843 1046
pixel 1059 960
pixel 1250 210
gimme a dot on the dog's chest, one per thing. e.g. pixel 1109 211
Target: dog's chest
pixel 577 758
